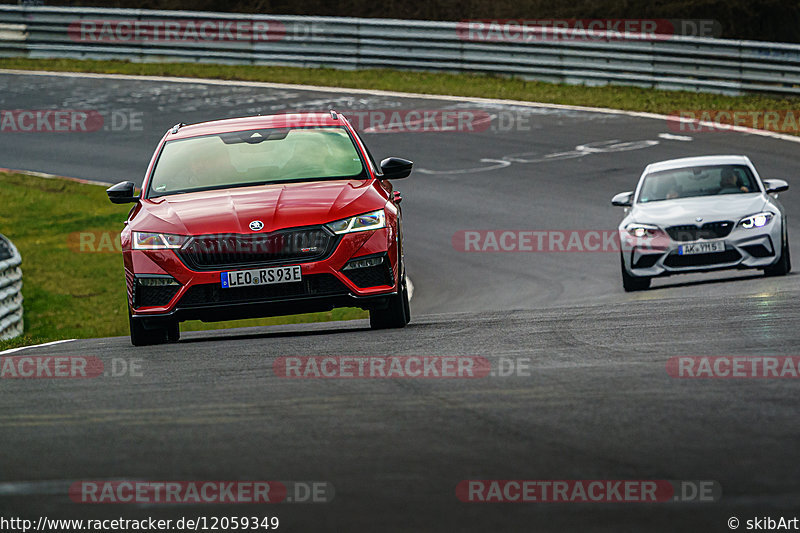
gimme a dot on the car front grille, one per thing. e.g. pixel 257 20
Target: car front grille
pixel 215 252
pixel 717 258
pixel 709 230
pixel 311 285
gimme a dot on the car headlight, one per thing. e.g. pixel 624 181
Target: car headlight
pixel 365 222
pixel 157 241
pixel 641 231
pixel 759 220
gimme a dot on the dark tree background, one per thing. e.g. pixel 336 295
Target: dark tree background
pixel 762 20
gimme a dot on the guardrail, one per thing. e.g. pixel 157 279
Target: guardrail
pixel 666 62
pixel 10 290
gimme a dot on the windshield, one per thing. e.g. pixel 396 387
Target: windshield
pixel 255 157
pixel 697 181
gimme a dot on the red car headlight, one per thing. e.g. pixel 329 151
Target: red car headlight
pixel 157 241
pixel 365 222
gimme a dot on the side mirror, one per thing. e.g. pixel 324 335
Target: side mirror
pixel 122 193
pixel 774 186
pixel 394 168
pixel 623 199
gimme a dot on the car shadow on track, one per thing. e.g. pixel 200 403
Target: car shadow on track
pixel 210 337
pixel 693 283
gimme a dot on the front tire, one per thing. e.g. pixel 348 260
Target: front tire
pixel 784 264
pixel 396 314
pixel 632 283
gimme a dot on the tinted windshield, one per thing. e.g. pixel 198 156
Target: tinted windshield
pixel 697 181
pixel 254 157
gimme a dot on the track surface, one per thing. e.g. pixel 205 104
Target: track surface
pixel 598 403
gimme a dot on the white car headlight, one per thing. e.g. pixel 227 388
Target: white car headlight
pixel 157 241
pixel 759 220
pixel 641 231
pixel 365 222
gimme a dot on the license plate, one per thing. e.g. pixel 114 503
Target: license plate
pixel 261 276
pixel 701 248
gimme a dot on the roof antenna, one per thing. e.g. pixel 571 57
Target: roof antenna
pixel 334 116
pixel 177 126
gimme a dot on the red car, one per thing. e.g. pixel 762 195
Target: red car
pixel 262 216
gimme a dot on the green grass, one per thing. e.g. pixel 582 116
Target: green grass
pixel 616 97
pixel 74 294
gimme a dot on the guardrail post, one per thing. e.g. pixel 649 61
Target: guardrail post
pixel 10 290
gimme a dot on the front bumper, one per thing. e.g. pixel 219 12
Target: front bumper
pixel 744 248
pixel 198 295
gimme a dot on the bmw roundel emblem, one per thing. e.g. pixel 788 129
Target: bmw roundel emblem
pixel 256 225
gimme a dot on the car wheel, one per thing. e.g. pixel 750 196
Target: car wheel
pixel 784 264
pixel 173 331
pixel 632 283
pixel 396 314
pixel 144 336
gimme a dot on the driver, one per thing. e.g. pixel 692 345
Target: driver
pixel 728 182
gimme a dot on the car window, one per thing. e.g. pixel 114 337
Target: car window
pixel 710 180
pixel 255 156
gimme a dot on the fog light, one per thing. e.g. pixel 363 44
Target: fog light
pixel 363 263
pixel 156 282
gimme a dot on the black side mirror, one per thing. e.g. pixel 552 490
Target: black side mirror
pixel 775 186
pixel 394 168
pixel 623 199
pixel 122 193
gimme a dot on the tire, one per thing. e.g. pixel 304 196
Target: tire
pixel 396 314
pixel 148 336
pixel 784 263
pixel 633 283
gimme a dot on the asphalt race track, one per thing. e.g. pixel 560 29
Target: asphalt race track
pixel 593 400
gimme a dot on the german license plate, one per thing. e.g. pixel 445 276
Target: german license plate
pixel 702 248
pixel 261 276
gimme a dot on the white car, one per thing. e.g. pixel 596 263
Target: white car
pixel 698 214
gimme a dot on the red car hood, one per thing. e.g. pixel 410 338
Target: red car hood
pixel 278 206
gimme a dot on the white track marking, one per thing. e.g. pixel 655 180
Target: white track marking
pixel 12 350
pixel 373 92
pixel 673 137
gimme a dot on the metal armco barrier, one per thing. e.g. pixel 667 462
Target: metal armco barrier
pixel 669 62
pixel 10 290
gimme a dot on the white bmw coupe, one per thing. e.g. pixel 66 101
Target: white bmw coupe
pixel 698 214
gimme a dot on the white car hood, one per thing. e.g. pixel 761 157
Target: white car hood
pixel 710 208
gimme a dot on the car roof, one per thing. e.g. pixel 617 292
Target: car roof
pixel 283 120
pixel 698 162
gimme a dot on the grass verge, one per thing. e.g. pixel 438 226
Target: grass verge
pixel 72 294
pixel 615 97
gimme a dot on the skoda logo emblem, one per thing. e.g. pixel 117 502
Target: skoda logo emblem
pixel 699 219
pixel 256 225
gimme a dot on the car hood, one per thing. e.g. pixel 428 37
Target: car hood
pixel 278 206
pixel 709 208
